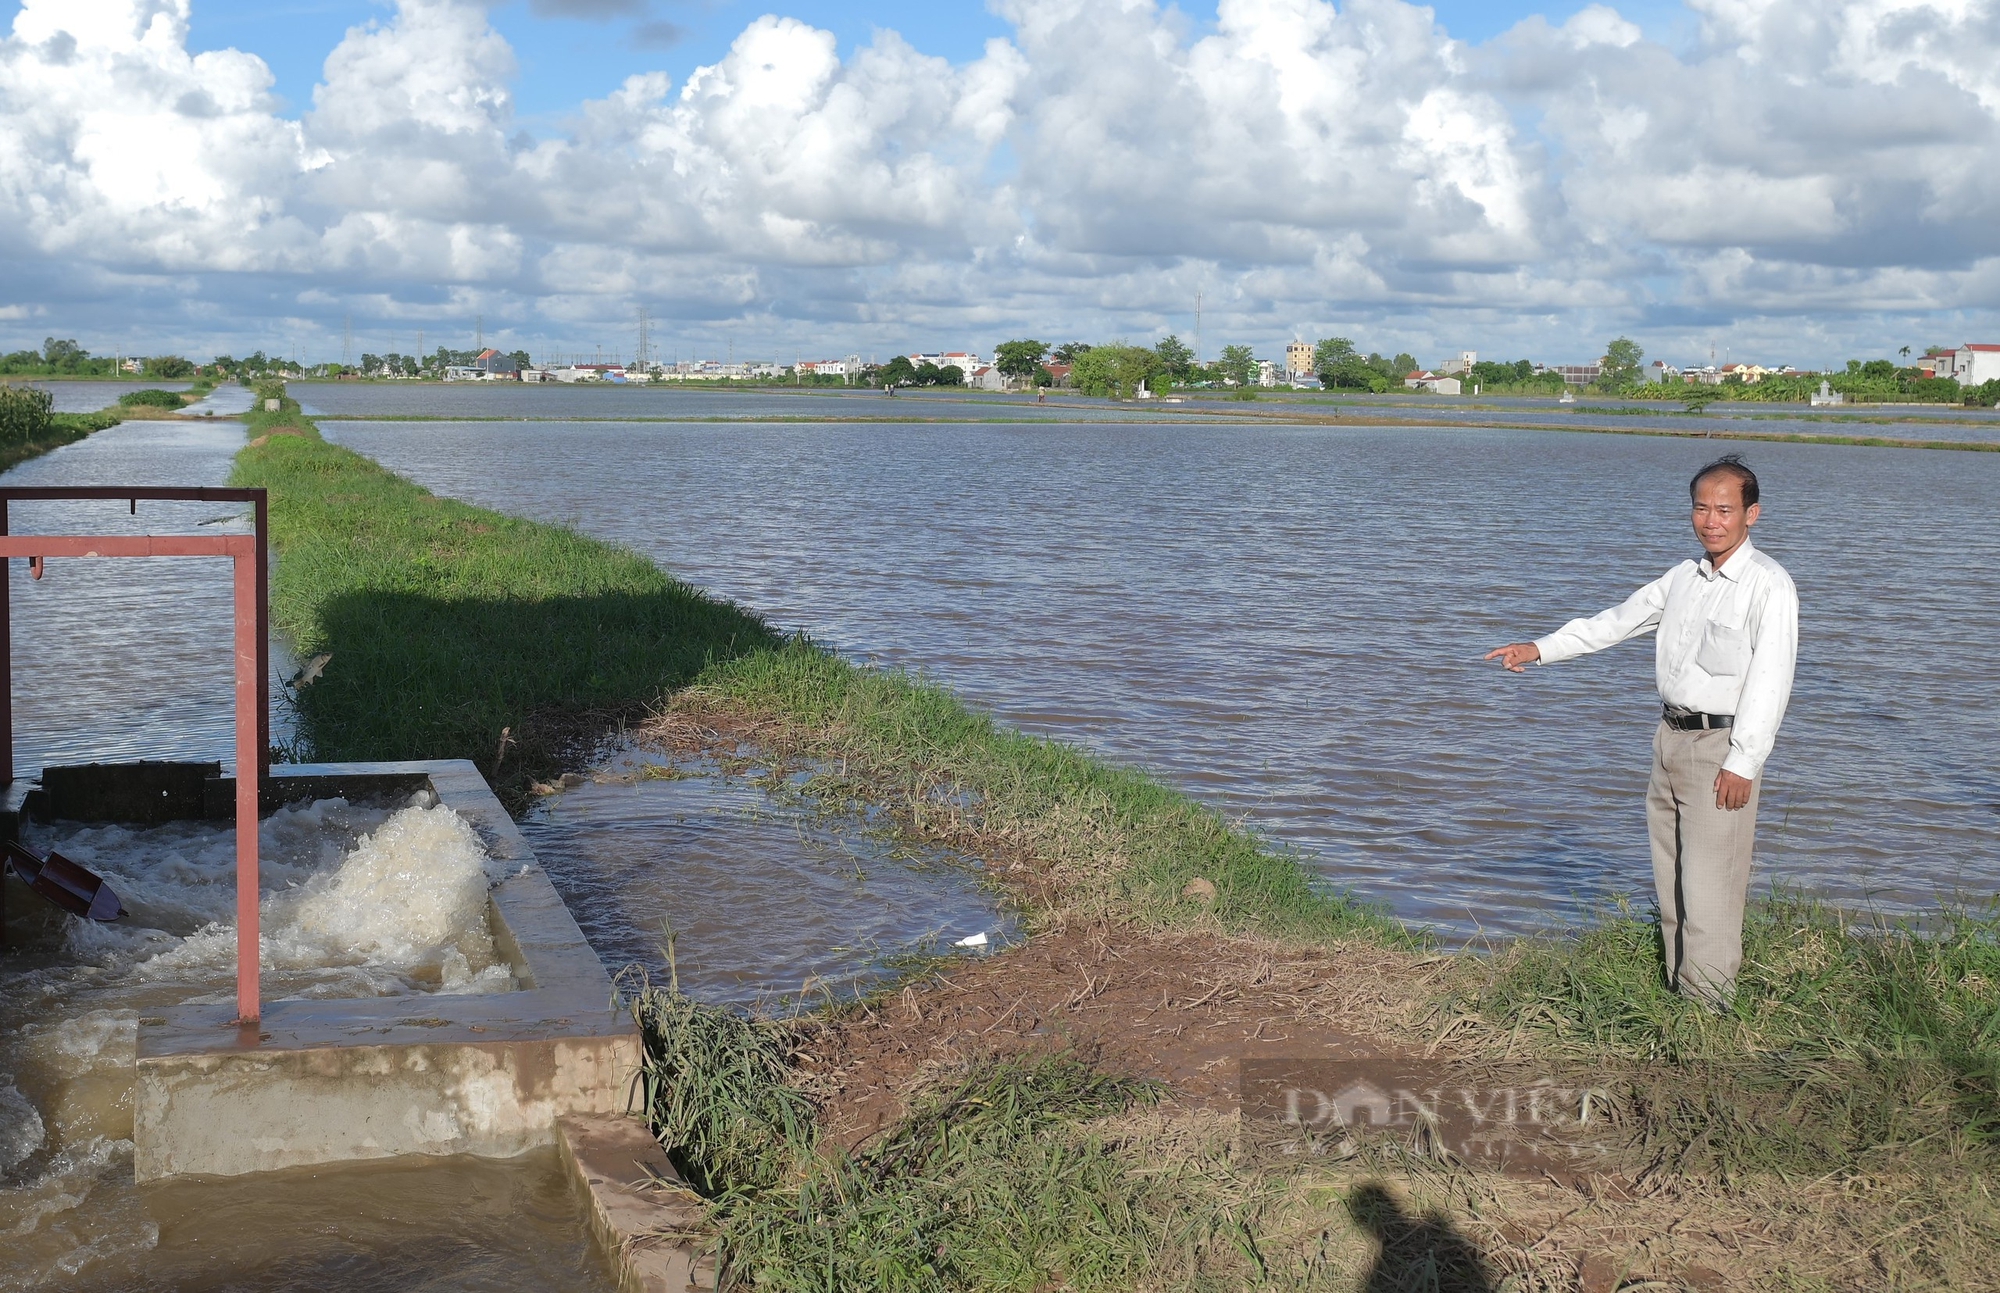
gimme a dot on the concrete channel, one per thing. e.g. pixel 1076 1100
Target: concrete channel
pixel 554 1062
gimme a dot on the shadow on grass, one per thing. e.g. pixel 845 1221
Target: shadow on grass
pixel 415 676
pixel 1424 1253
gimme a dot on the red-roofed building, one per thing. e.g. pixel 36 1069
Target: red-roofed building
pixel 1972 364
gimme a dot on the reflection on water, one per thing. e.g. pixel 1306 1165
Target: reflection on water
pixel 1287 621
pixel 767 898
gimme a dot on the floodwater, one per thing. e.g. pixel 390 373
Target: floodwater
pixel 692 401
pixel 1288 622
pixel 766 897
pixel 90 396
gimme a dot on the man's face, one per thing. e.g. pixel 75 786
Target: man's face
pixel 1721 521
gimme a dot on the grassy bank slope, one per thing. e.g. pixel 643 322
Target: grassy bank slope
pixel 447 624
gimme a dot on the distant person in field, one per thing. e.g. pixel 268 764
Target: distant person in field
pixel 1728 638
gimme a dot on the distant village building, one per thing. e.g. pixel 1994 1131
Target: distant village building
pixel 1299 359
pixel 1267 373
pixel 1826 396
pixel 1573 374
pixel 1971 364
pixel 1462 364
pixel 498 366
pixel 1435 383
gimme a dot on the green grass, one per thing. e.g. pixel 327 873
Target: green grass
pixel 998 1178
pixel 151 397
pixel 1842 1048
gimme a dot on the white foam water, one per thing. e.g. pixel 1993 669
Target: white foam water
pixel 405 910
pixel 356 901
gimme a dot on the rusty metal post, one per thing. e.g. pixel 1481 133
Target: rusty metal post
pixel 6 661
pixel 262 503
pixel 250 754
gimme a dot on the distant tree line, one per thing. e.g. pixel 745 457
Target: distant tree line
pixel 64 358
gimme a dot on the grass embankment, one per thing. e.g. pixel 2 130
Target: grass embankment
pixel 1845 1108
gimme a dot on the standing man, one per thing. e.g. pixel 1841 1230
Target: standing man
pixel 1728 638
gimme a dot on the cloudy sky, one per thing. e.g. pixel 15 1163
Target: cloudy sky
pixel 1783 180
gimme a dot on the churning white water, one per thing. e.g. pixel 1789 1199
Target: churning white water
pixel 357 901
pixel 404 911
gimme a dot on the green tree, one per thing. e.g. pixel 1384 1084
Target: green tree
pixel 1020 360
pixel 1237 365
pixel 1620 366
pixel 1069 352
pixel 1176 360
pixel 1698 397
pixel 897 372
pixel 950 375
pixel 1114 371
pixel 1330 353
pixel 170 367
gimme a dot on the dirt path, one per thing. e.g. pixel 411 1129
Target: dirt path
pixel 1180 1008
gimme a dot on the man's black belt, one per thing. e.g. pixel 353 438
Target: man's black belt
pixel 1687 720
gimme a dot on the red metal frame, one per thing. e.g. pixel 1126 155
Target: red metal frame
pixel 251 657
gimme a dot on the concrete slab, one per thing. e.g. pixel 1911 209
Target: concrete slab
pixel 328 1081
pixel 640 1210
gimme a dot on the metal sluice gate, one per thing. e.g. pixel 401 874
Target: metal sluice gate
pixel 72 887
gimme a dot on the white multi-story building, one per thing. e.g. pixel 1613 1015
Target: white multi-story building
pixel 1267 373
pixel 1462 364
pixel 1972 364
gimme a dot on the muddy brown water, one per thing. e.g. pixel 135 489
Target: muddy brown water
pixel 1287 622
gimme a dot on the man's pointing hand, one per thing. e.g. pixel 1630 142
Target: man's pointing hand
pixel 1516 654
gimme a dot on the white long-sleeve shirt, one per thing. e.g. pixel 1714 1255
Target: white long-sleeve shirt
pixel 1728 641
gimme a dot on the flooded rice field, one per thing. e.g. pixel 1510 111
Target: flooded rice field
pixel 89 396
pixel 692 402
pixel 513 401
pixel 1288 623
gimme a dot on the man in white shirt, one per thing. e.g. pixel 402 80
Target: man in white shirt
pixel 1728 640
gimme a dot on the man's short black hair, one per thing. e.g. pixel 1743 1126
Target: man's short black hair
pixel 1734 465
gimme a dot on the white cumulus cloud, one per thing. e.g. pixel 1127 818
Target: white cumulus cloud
pixel 1304 164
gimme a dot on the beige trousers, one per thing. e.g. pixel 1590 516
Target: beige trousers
pixel 1701 861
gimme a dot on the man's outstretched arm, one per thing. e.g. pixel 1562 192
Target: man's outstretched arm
pixel 1637 614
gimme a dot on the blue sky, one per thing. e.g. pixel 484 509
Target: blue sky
pixel 565 60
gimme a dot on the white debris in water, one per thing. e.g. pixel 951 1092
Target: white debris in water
pixel 407 907
pixel 21 1130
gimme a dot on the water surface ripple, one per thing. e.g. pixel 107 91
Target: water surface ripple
pixel 1287 622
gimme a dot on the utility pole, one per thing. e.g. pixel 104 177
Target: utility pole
pixel 644 354
pixel 1197 327
pixel 478 333
pixel 347 343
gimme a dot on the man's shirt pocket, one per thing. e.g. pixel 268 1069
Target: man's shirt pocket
pixel 1724 651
